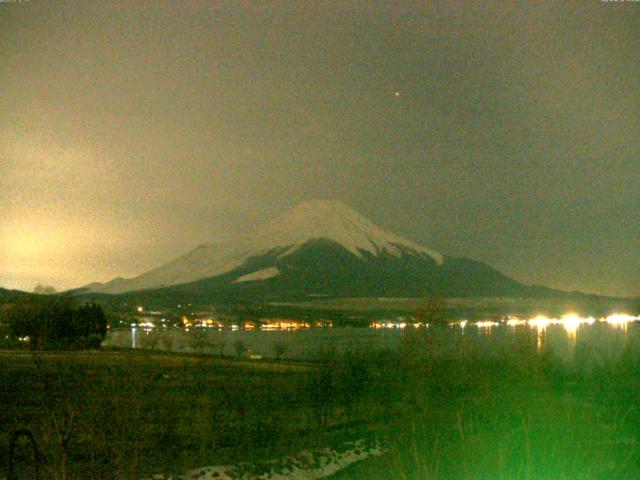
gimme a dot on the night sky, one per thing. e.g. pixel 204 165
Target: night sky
pixel 508 132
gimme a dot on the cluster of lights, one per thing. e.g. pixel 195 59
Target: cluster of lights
pixel 515 322
pixel 617 319
pixel 209 323
pixel 282 324
pixel 268 324
pixel 569 321
pixel 380 325
pixel 486 324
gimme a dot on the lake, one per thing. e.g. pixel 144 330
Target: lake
pixel 570 337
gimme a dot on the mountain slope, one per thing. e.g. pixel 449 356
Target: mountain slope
pixel 324 268
pixel 6 294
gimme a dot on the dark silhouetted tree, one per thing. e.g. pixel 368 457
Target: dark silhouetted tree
pixel 240 347
pixel 279 349
pixel 41 289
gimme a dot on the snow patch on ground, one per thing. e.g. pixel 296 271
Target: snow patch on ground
pixel 259 275
pixel 308 465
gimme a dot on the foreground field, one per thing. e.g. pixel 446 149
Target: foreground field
pixel 106 414
pixel 128 415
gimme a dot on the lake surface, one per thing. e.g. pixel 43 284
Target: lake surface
pixel 571 338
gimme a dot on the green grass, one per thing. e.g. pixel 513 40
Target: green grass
pixel 525 416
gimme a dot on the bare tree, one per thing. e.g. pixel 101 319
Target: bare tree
pixel 432 311
pixel 167 340
pixel 149 339
pixel 240 347
pixel 198 339
pixel 279 349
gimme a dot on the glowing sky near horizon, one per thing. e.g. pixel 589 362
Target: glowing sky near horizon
pixel 507 132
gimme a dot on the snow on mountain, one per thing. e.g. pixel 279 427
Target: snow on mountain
pixel 259 275
pixel 312 220
pixel 333 220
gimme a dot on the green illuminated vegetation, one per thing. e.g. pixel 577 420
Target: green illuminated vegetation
pixel 521 416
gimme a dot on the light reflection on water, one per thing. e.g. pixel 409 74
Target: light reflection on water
pixel 564 336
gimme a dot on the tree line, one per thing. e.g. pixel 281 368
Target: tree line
pixel 48 322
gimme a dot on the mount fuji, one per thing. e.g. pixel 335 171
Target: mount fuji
pixel 320 248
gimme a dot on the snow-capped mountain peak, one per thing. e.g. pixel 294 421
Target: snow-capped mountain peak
pixel 313 220
pixel 335 221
